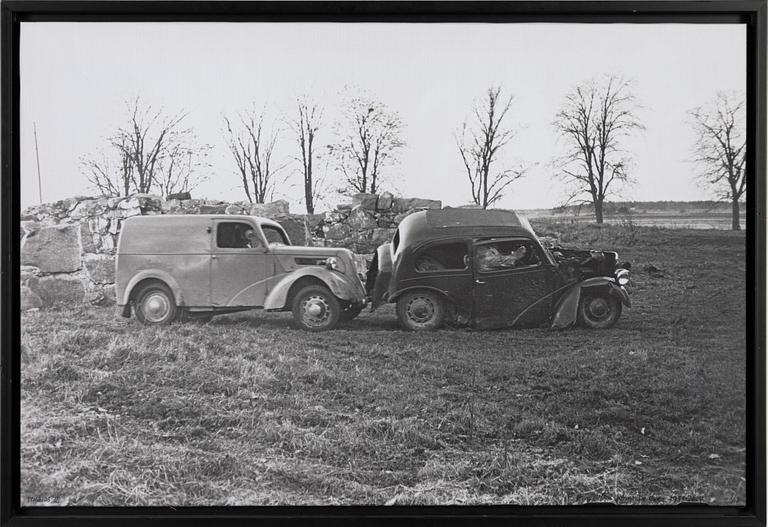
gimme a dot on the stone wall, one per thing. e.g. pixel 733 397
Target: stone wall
pixel 68 247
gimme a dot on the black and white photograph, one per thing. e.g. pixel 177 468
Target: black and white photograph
pixel 383 263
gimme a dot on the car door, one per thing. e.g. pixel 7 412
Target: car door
pixel 513 286
pixel 238 264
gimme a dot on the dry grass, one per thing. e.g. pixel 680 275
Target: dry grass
pixel 245 411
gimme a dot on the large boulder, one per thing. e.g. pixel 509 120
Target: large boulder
pixel 30 299
pixel 60 290
pixel 269 210
pixel 234 208
pixel 406 204
pixel 385 201
pixel 101 268
pixel 213 208
pixel 297 229
pixel 361 219
pixel 365 201
pixel 53 249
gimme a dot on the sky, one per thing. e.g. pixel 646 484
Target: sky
pixel 77 77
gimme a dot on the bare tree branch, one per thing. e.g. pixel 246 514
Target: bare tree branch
pixel 479 145
pixel 594 120
pixel 720 148
pixel 369 137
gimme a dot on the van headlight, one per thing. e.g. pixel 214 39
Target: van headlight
pixel 335 264
pixel 622 277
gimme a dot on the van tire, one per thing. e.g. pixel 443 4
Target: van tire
pixel 315 308
pixel 154 304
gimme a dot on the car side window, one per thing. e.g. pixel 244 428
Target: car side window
pixel 507 254
pixel 444 256
pixel 236 235
pixel 274 235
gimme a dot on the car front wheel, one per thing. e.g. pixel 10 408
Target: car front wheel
pixel 599 310
pixel 315 309
pixel 420 310
pixel 155 305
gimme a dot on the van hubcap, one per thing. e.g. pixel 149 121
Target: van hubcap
pixel 316 310
pixel 156 307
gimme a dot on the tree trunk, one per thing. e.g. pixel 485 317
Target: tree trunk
pixel 735 226
pixel 599 210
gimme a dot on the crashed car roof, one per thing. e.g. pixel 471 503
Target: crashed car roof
pixel 476 223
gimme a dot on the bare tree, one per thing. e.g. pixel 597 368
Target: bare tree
pixel 147 155
pixel 720 149
pixel 252 147
pixel 369 138
pixel 306 127
pixel 594 119
pixel 180 165
pixel 479 145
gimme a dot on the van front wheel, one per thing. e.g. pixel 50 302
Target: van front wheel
pixel 315 309
pixel 155 305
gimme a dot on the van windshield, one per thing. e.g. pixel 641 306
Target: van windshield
pixel 275 235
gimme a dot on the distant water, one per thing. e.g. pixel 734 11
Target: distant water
pixel 714 221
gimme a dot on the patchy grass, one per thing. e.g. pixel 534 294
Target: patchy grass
pixel 245 411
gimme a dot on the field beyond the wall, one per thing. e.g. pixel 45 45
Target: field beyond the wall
pixel 246 411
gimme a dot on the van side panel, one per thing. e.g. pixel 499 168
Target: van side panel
pixel 188 275
pixel 174 249
pixel 171 235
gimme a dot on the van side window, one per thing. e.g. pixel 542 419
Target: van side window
pixel 442 256
pixel 235 235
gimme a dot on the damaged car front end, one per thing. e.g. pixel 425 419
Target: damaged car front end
pixel 488 269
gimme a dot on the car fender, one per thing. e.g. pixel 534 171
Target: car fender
pixel 397 294
pixel 156 274
pixel 565 315
pixel 380 275
pixel 340 285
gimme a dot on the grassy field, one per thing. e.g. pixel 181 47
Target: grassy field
pixel 245 411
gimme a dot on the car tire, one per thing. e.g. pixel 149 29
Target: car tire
pixel 598 310
pixel 155 305
pixel 421 310
pixel 315 308
pixel 351 312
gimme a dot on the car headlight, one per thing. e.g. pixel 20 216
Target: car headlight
pixel 622 277
pixel 335 264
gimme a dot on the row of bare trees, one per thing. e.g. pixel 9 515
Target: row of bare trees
pixel 594 121
pixel 155 152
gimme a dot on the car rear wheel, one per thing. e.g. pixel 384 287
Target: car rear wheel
pixel 155 305
pixel 315 309
pixel 598 310
pixel 420 310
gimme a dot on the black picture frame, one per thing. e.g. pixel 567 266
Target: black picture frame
pixel 751 13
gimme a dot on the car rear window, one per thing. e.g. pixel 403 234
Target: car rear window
pixel 444 256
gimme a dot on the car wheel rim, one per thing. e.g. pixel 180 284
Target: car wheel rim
pixel 598 309
pixel 420 310
pixel 156 307
pixel 316 311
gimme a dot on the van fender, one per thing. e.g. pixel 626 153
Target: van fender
pixel 340 285
pixel 156 274
pixel 565 315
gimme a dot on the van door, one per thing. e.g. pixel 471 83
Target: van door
pixel 238 264
pixel 513 284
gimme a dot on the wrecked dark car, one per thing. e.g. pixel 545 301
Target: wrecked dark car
pixel 488 269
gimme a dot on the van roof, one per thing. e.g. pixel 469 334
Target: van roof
pixel 180 218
